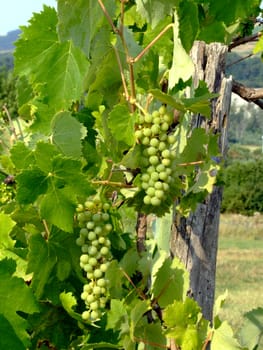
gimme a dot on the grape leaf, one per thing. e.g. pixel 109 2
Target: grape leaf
pixel 69 302
pixel 41 261
pixel 6 225
pixel 15 296
pixel 9 338
pixel 182 65
pixel 252 329
pixel 189 23
pixel 155 10
pixel 223 338
pixel 44 154
pixel 30 184
pixel 121 123
pixel 39 48
pixel 152 335
pixel 116 314
pixel 169 282
pixel 81 20
pixel 57 208
pixel 22 156
pixel 185 324
pixel 67 134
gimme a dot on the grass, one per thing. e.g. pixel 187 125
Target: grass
pixel 239 266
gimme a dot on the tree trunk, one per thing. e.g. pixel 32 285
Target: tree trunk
pixel 194 239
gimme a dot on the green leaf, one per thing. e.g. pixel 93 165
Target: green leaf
pixel 206 179
pixel 185 324
pixel 44 154
pixel 223 338
pixel 189 23
pixel 213 32
pixel 252 329
pixel 56 69
pixel 155 10
pixel 9 338
pixel 121 123
pixel 116 314
pixel 22 156
pixel 67 134
pixel 6 225
pixel 30 184
pixel 15 297
pixel 170 281
pixel 80 20
pixel 58 209
pixel 137 312
pixel 152 335
pixel 41 261
pixel 69 302
pixel 182 65
pixel 167 99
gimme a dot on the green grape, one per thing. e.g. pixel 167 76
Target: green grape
pixel 164 126
pixel 101 282
pixel 159 194
pixel 154 160
pixel 166 162
pixel 162 110
pixel 148 118
pixel 154 176
pixel 92 236
pixel 94 315
pixel 155 201
pixel 103 267
pixel 147 200
pixel 94 305
pixel 84 258
pixel 155 114
pixel 90 225
pixel 155 129
pixel 98 273
pixel 88 268
pixel 85 315
pixel 138 134
pixel 151 151
pixel 150 191
pixel 147 132
pixel 166 153
pixel 104 251
pixel 154 142
pixel 145 140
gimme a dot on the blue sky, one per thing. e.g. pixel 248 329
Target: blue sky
pixel 14 13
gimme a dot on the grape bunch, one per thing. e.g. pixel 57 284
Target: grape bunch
pixel 94 222
pixel 153 133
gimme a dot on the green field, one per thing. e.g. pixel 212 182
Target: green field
pixel 240 266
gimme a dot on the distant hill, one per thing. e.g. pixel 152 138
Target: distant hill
pixel 7 41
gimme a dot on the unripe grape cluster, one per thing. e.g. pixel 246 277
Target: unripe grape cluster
pixel 153 133
pixel 94 222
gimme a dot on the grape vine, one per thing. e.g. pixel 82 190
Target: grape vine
pixel 107 102
pixel 95 226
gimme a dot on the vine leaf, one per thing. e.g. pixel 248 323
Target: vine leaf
pixel 252 329
pixel 81 20
pixel 67 134
pixel 223 338
pixel 41 261
pixel 39 48
pixel 69 302
pixel 182 65
pixel 14 289
pixel 155 10
pixel 185 324
pixel 6 225
pixel 121 123
pixel 31 184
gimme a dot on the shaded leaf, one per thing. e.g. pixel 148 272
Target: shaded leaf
pixel 121 123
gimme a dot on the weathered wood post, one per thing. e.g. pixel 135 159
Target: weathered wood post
pixel 194 239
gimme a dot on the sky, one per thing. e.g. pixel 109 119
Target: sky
pixel 14 13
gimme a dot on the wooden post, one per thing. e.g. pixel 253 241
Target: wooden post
pixel 194 239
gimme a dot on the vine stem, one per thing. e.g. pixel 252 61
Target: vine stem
pixel 111 183
pixel 141 294
pixel 46 229
pixel 141 229
pixel 144 51
pixel 13 129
